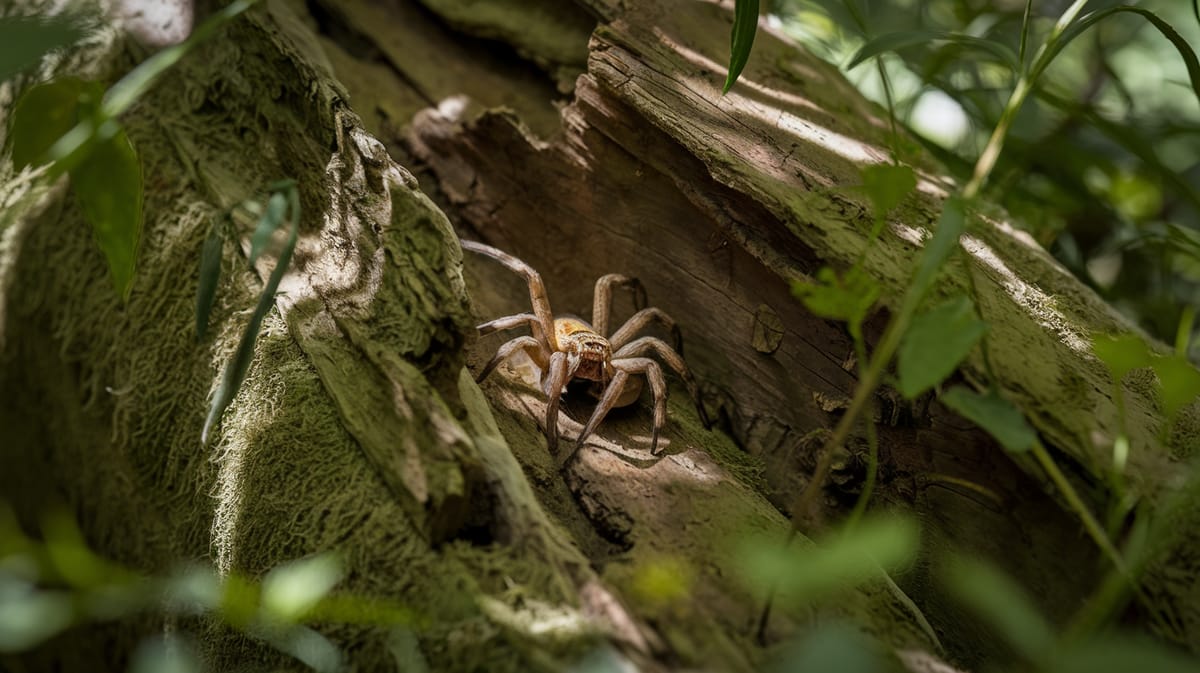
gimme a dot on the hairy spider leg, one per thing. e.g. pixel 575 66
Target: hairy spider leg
pixel 602 298
pixel 537 290
pixel 557 375
pixel 641 346
pixel 638 321
pixel 531 346
pixel 658 387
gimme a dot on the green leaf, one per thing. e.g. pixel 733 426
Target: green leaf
pixel 847 298
pixel 210 276
pixel 1121 653
pixel 29 617
pixel 846 559
pixel 235 371
pixel 745 25
pixel 831 647
pixel 887 185
pixel 290 590
pixel 935 343
pixel 950 226
pixel 1179 382
pixel 1089 20
pixel 1002 603
pixel 27 39
pixel 108 185
pixel 1121 353
pixel 168 654
pixel 43 114
pixel 996 415
pixel 911 38
pixel 271 218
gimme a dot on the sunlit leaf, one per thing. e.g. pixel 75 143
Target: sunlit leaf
pixel 745 25
pixel 844 560
pixel 108 185
pixel 27 39
pixel 832 647
pixel 935 343
pixel 848 297
pixel 1121 353
pixel 910 38
pixel 271 218
pixel 887 185
pixel 996 415
pixel 210 276
pixel 1179 382
pixel 292 589
pixel 43 114
pixel 1001 603
pixel 307 646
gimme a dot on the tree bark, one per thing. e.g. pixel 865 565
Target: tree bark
pixel 586 139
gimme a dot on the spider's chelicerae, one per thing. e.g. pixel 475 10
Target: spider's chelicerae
pixel 568 348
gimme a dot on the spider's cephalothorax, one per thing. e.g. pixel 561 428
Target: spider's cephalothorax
pixel 569 348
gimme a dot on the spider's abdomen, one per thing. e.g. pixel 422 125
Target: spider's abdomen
pixel 577 339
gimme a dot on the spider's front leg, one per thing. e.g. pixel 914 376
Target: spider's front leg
pixel 602 298
pixel 644 345
pixel 532 347
pixel 613 393
pixel 555 379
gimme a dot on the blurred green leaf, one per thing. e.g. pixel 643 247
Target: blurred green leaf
pixel 843 560
pixel 996 415
pixel 1121 653
pixel 1179 382
pixel 290 590
pixel 193 591
pixel 239 601
pixel 307 646
pixel 1135 196
pixel 29 616
pixel 210 276
pixel 1121 353
pixel 108 185
pixel 1001 603
pixel 836 648
pixel 168 654
pixel 849 297
pixel 887 185
pixel 271 218
pixel 951 225
pixel 909 38
pixel 1087 21
pixel 43 114
pixel 663 580
pixel 745 25
pixel 935 343
pixel 73 560
pixel 27 39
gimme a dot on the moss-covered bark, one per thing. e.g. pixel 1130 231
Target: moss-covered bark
pixel 360 430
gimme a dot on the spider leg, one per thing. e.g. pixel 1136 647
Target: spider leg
pixel 511 321
pixel 602 298
pixel 639 321
pixel 643 345
pixel 531 346
pixel 658 388
pixel 607 402
pixel 537 289
pixel 556 379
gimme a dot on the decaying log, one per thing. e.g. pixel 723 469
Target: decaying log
pixel 359 428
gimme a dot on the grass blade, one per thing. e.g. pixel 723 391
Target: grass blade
pixel 235 371
pixel 911 38
pixel 210 275
pixel 745 25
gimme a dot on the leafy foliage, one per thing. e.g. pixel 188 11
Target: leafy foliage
pixel 935 344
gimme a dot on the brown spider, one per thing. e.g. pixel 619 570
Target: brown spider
pixel 569 348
